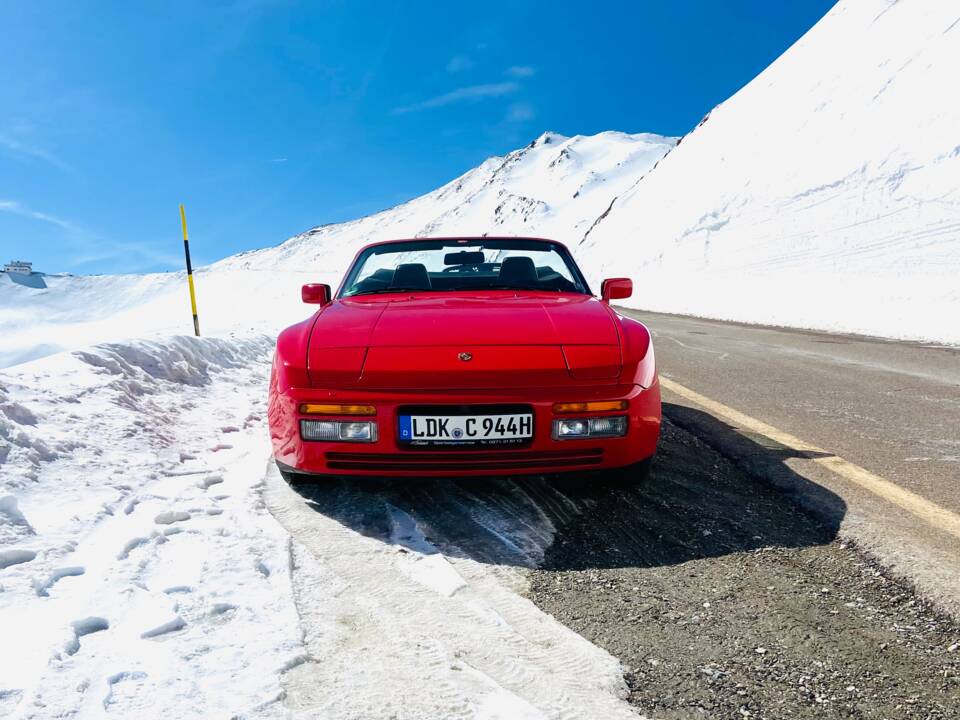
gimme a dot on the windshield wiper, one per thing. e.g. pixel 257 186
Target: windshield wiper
pixel 382 291
pixel 516 287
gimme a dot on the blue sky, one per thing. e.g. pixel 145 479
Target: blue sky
pixel 266 118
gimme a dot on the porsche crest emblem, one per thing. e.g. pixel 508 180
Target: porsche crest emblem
pixel 465 356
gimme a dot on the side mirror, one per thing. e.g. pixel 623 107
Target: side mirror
pixel 616 289
pixel 315 294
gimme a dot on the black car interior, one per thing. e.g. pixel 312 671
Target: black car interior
pixel 513 273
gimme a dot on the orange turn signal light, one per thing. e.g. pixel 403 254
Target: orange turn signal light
pixel 334 409
pixel 595 406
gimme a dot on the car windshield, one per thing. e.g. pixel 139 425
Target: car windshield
pixel 483 264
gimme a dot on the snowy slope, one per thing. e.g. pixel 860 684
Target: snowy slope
pixel 555 187
pixel 824 194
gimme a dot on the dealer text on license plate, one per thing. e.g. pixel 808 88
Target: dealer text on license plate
pixel 481 429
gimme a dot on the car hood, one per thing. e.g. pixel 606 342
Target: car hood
pixel 421 341
pixel 411 321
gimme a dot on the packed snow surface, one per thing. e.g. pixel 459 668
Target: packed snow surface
pixel 153 564
pixel 141 569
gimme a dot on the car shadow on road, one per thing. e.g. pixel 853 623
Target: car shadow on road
pixel 697 504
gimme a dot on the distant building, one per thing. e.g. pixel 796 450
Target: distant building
pixel 18 267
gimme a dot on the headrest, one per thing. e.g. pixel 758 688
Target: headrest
pixel 411 276
pixel 519 271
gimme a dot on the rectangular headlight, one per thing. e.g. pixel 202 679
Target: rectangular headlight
pixel 358 431
pixel 571 428
pixel 596 427
pixel 335 431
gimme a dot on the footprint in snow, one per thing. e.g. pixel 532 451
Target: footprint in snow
pixel 171 516
pixel 85 626
pixel 208 481
pixel 130 546
pixel 220 608
pixel 178 589
pixel 126 676
pixel 15 556
pixel 173 625
pixel 43 588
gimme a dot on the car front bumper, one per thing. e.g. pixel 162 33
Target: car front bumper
pixel 389 457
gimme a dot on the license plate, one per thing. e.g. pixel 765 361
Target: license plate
pixel 466 429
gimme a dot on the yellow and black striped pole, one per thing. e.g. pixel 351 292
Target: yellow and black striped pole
pixel 193 292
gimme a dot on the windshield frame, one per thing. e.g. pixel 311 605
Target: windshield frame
pixel 494 243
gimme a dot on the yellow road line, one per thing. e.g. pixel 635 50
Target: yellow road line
pixel 929 512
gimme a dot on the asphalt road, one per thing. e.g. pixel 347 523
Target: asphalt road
pixel 720 597
pixel 892 408
pixel 723 600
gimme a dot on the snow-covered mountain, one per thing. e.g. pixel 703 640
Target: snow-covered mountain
pixel 824 194
pixel 555 187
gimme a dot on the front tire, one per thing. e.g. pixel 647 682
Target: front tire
pixel 636 474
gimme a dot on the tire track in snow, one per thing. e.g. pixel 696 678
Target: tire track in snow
pixel 406 626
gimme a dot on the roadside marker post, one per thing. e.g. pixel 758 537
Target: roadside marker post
pixel 193 292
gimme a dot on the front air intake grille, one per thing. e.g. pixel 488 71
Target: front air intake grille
pixel 453 461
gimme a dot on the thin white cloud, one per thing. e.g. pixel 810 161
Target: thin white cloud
pixel 279 160
pixel 472 93
pixel 519 112
pixel 459 63
pixel 18 208
pixel 89 247
pixel 119 256
pixel 17 147
pixel 521 71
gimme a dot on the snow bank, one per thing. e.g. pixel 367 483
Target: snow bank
pixel 102 379
pixel 76 311
pixel 138 567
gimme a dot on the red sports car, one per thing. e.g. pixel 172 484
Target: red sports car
pixel 464 356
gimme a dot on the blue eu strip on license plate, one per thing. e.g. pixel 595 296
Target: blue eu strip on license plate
pixel 511 427
pixel 405 427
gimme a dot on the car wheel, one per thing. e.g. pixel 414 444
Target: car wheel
pixel 635 474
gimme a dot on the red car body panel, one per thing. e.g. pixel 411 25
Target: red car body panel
pixel 530 348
